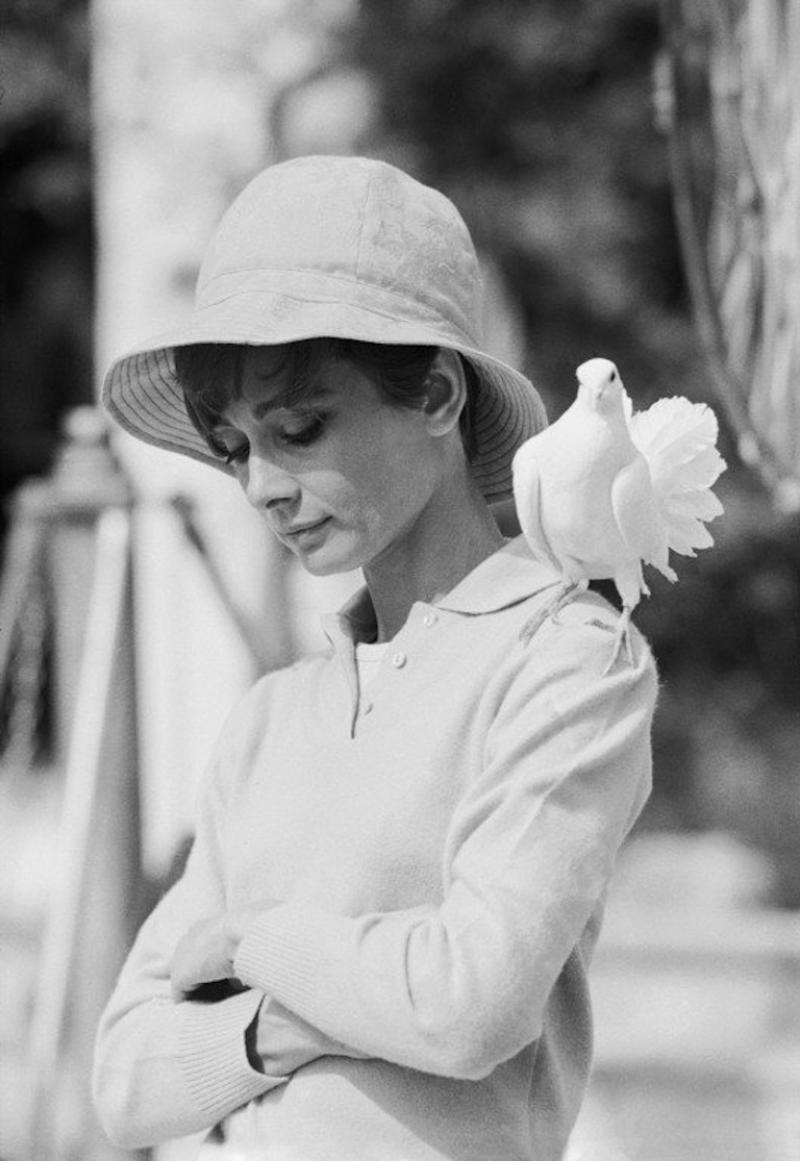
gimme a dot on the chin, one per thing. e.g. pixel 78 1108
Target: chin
pixel 324 567
pixel 330 559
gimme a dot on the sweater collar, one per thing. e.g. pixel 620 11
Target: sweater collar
pixel 507 577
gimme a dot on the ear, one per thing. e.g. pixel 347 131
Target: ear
pixel 446 393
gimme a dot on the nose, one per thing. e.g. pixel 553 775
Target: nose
pixel 267 485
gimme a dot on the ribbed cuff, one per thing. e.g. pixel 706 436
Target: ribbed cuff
pixel 281 953
pixel 211 1037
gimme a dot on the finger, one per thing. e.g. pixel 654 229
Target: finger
pixel 179 989
pixel 182 980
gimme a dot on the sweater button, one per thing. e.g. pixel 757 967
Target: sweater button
pixel 399 660
pixel 429 620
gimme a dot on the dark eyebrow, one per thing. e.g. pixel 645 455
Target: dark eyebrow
pixel 289 399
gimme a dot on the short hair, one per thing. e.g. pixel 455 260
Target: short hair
pixel 210 376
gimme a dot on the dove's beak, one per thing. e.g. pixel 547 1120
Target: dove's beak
pixel 593 389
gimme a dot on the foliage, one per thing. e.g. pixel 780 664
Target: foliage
pixel 46 236
pixel 537 119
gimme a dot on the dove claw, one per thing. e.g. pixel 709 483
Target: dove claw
pixel 567 593
pixel 622 641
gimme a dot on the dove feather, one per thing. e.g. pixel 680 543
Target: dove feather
pixel 678 440
pixel 605 490
pixel 635 512
pixel 525 473
pixel 703 505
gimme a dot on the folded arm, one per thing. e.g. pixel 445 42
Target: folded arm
pixel 457 988
pixel 164 1069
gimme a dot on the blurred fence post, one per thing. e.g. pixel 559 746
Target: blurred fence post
pixel 86 480
pixel 88 506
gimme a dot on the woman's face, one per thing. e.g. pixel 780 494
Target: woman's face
pixel 340 476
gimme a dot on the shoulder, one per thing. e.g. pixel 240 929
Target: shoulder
pixel 508 620
pixel 587 624
pixel 564 701
pixel 575 653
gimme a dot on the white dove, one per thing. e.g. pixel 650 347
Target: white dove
pixel 602 491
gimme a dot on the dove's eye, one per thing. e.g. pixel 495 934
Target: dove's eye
pixel 613 376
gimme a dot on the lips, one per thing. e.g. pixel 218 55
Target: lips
pixel 301 529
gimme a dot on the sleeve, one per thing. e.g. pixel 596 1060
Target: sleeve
pixel 457 988
pixel 164 1070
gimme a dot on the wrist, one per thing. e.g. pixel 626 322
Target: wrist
pixel 238 922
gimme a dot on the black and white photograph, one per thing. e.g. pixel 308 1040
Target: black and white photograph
pixel 399 580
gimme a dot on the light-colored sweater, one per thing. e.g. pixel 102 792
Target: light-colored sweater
pixel 443 845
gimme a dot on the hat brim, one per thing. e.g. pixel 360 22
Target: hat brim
pixel 142 393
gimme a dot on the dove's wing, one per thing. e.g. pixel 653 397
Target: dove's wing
pixel 637 517
pixel 527 500
pixel 678 440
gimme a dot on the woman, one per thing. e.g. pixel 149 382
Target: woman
pixel 379 946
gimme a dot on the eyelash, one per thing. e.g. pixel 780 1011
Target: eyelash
pixel 302 438
pixel 237 454
pixel 308 433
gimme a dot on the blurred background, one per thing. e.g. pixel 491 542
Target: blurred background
pixel 630 172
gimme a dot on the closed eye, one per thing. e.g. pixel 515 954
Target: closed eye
pixel 232 453
pixel 298 429
pixel 237 455
pixel 305 430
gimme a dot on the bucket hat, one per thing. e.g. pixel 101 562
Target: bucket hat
pixel 342 247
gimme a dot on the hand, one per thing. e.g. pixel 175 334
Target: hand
pixel 206 952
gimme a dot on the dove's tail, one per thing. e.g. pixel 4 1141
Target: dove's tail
pixel 678 439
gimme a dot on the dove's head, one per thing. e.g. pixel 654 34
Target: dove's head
pixel 600 385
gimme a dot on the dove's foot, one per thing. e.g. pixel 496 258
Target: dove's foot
pixel 567 593
pixel 622 641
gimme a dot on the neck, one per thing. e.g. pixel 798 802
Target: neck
pixel 450 538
